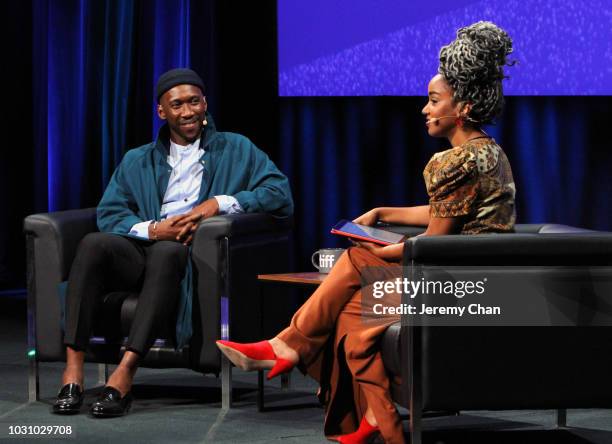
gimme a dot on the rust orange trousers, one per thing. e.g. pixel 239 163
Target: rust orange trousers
pixel 339 349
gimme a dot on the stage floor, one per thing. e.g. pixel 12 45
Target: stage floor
pixel 176 406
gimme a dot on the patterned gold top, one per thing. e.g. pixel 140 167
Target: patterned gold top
pixel 472 180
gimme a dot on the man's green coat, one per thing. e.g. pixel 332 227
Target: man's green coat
pixel 233 166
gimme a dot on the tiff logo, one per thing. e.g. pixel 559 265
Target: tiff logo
pixel 326 260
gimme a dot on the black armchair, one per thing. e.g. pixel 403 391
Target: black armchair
pixel 496 368
pixel 228 253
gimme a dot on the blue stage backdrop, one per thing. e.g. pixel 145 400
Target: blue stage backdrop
pixel 94 65
pixel 390 47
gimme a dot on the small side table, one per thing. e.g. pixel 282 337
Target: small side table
pixel 304 279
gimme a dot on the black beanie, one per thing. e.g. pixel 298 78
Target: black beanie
pixel 177 76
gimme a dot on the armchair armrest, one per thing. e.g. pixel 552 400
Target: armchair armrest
pixel 408 230
pixel 59 234
pixel 218 227
pixel 521 249
pixel 228 253
pixel 51 243
pixel 256 229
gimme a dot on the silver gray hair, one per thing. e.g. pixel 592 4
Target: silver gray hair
pixel 473 66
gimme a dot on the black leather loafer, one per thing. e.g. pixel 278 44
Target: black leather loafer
pixel 110 403
pixel 69 399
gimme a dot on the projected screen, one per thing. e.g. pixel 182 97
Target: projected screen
pixel 390 47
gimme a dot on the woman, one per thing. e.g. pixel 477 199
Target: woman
pixel 471 191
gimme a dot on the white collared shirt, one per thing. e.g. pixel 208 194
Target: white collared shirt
pixel 184 187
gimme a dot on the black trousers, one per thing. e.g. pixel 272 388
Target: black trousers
pixel 106 263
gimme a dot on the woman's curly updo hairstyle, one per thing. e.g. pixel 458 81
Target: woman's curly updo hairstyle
pixel 473 65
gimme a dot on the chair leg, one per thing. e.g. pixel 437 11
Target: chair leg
pixel 416 413
pixel 102 374
pixel 561 417
pixel 33 381
pixel 226 384
pixel 260 391
pixel 286 381
pixel 416 387
pixel 416 426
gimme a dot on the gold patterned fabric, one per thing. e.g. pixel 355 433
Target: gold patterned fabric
pixel 473 181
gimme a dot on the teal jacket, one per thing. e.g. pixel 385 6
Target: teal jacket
pixel 233 166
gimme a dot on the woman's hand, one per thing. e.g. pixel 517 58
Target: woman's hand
pixel 369 218
pixel 392 252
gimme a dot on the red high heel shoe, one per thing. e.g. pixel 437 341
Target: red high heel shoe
pixel 363 434
pixel 255 356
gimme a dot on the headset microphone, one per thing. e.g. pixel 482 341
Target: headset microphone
pixel 435 119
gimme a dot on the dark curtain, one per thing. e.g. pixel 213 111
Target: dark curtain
pixel 346 155
pixel 17 159
pixel 81 94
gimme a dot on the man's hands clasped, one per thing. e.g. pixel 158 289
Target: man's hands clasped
pixel 180 228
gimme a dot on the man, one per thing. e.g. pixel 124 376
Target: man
pixel 148 213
